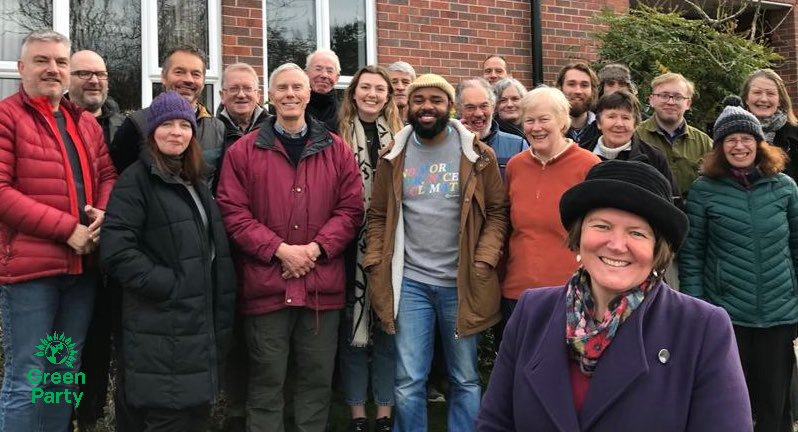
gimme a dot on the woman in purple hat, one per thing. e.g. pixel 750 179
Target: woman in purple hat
pixel 164 242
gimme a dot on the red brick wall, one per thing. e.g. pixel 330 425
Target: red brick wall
pixel 242 33
pixel 785 42
pixel 568 26
pixel 451 38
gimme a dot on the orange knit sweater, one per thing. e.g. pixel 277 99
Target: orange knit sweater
pixel 538 255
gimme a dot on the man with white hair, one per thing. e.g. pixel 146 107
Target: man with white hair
pixel 323 69
pixel 292 200
pixel 401 74
pixel 475 102
pixel 241 110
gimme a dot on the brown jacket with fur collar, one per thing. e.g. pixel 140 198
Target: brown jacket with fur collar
pixel 483 224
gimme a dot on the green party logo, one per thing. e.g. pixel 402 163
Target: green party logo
pixel 57 349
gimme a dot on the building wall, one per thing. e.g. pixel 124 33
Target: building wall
pixel 785 42
pixel 452 38
pixel 242 33
pixel 567 31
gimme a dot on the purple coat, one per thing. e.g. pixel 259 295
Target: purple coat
pixel 699 388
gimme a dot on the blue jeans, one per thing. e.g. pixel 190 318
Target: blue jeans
pixel 421 307
pixel 31 311
pixel 354 363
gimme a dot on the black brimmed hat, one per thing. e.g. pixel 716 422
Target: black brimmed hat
pixel 632 186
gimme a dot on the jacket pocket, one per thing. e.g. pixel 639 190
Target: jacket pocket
pixel 485 294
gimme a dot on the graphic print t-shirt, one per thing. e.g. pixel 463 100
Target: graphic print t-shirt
pixel 431 207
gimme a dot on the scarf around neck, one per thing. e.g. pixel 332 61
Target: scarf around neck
pixel 361 318
pixel 745 176
pixel 587 335
pixel 772 124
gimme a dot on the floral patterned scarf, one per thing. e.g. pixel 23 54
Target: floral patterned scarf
pixel 588 335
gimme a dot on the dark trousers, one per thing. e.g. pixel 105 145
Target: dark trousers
pixel 767 358
pixel 311 339
pixel 193 419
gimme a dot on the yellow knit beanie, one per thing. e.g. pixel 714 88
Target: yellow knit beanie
pixel 431 80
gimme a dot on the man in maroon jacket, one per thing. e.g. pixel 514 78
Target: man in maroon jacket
pixel 291 199
pixel 55 178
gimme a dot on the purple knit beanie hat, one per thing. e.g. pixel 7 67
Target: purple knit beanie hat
pixel 169 106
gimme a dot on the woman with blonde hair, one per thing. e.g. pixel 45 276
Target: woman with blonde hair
pixel 368 120
pixel 765 96
pixel 536 179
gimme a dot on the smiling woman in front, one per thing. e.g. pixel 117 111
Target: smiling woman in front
pixel 617 349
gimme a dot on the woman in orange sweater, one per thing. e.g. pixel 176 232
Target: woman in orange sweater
pixel 536 179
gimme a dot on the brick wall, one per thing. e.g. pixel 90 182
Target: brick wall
pixel 784 41
pixel 242 33
pixel 453 38
pixel 567 30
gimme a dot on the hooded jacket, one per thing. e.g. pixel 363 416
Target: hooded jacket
pixel 483 227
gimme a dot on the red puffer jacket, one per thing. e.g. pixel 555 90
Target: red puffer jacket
pixel 266 201
pixel 38 199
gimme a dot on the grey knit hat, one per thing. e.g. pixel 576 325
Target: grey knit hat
pixel 169 106
pixel 615 72
pixel 733 119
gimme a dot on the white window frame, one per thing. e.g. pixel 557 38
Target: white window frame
pixel 150 71
pixel 323 37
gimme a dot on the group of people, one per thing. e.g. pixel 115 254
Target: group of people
pixel 245 252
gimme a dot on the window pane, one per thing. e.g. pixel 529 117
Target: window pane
pixel 8 86
pixel 348 33
pixel 291 31
pixel 112 28
pixel 182 22
pixel 17 19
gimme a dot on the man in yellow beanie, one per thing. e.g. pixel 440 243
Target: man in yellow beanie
pixel 436 227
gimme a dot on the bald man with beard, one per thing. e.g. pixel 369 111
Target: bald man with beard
pixel 88 89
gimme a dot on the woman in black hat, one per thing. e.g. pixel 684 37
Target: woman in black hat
pixel 617 349
pixel 741 255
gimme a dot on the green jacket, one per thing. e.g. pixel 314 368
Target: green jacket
pixel 741 251
pixel 684 156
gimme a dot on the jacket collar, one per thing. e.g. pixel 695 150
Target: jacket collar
pixel 620 366
pixel 466 141
pixel 254 119
pixel 318 136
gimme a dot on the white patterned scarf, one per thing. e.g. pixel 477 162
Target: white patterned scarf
pixel 361 318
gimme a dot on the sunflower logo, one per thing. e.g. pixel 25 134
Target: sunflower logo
pixel 57 349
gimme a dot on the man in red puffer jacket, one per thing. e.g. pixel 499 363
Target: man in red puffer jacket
pixel 55 178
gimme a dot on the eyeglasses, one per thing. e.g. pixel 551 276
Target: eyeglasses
pixel 86 74
pixel 731 142
pixel 664 97
pixel 236 89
